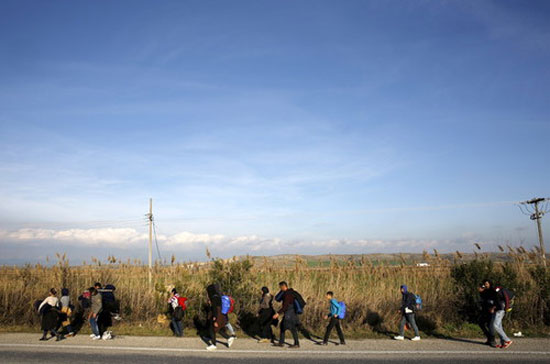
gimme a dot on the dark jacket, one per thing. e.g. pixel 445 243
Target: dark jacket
pixel 408 300
pixel 288 301
pixel 500 300
pixel 488 300
pixel 215 309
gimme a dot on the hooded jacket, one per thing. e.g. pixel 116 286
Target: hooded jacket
pixel 408 300
pixel 215 312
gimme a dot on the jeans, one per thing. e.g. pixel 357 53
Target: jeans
pixel 497 325
pixel 410 318
pixel 228 327
pixel 177 326
pixel 93 325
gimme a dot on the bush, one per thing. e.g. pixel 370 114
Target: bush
pixel 467 278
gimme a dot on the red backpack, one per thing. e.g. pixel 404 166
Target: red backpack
pixel 182 302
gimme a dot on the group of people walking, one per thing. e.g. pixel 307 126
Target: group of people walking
pixel 98 305
pixel 495 302
pixel 220 305
pixel 62 318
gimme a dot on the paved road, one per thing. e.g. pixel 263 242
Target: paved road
pixel 25 348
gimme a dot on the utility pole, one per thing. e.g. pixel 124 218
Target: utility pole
pixel 150 216
pixel 536 214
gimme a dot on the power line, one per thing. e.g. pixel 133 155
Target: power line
pixel 156 242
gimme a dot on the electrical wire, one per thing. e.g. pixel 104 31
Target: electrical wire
pixel 156 241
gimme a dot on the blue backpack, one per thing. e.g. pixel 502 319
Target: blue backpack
pixel 342 310
pixel 227 305
pixel 418 302
pixel 298 308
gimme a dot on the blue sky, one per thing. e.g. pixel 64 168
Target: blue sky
pixel 271 127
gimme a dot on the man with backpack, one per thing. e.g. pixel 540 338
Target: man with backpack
pixel 177 311
pixel 337 311
pixel 104 319
pixel 502 305
pixel 408 308
pixel 486 317
pixel 290 320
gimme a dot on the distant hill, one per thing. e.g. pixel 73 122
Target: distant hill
pixel 287 260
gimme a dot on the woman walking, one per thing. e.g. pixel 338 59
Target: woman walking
pixel 66 312
pixel 265 316
pixel 216 320
pixel 49 309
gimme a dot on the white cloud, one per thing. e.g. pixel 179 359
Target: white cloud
pixel 121 237
pixel 220 245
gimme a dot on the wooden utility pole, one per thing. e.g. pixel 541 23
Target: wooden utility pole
pixel 537 215
pixel 150 241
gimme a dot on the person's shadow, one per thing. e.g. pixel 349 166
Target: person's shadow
pixel 376 322
pixel 428 326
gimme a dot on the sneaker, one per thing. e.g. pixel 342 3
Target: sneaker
pixel 211 347
pixel 262 341
pixel 70 334
pixel 96 337
pixel 416 338
pixel 117 317
pixel 296 346
pixel 324 343
pixel 399 337
pixel 92 335
pixel 43 338
pixel 506 344
pixel 230 341
pixel 107 336
pixel 343 343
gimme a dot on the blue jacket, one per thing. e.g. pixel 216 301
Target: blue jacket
pixel 334 307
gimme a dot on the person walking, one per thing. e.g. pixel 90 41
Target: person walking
pixel 104 319
pixel 486 317
pixel 408 307
pixel 49 309
pixel 265 316
pixel 66 312
pixel 500 311
pixel 334 317
pixel 290 319
pixel 176 313
pixel 83 304
pixel 216 320
pixel 96 307
pixel 227 308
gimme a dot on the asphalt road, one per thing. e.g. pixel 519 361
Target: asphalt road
pixel 25 348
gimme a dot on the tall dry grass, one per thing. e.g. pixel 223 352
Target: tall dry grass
pixel 371 292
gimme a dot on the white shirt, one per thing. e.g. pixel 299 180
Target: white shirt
pixel 174 301
pixel 50 300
